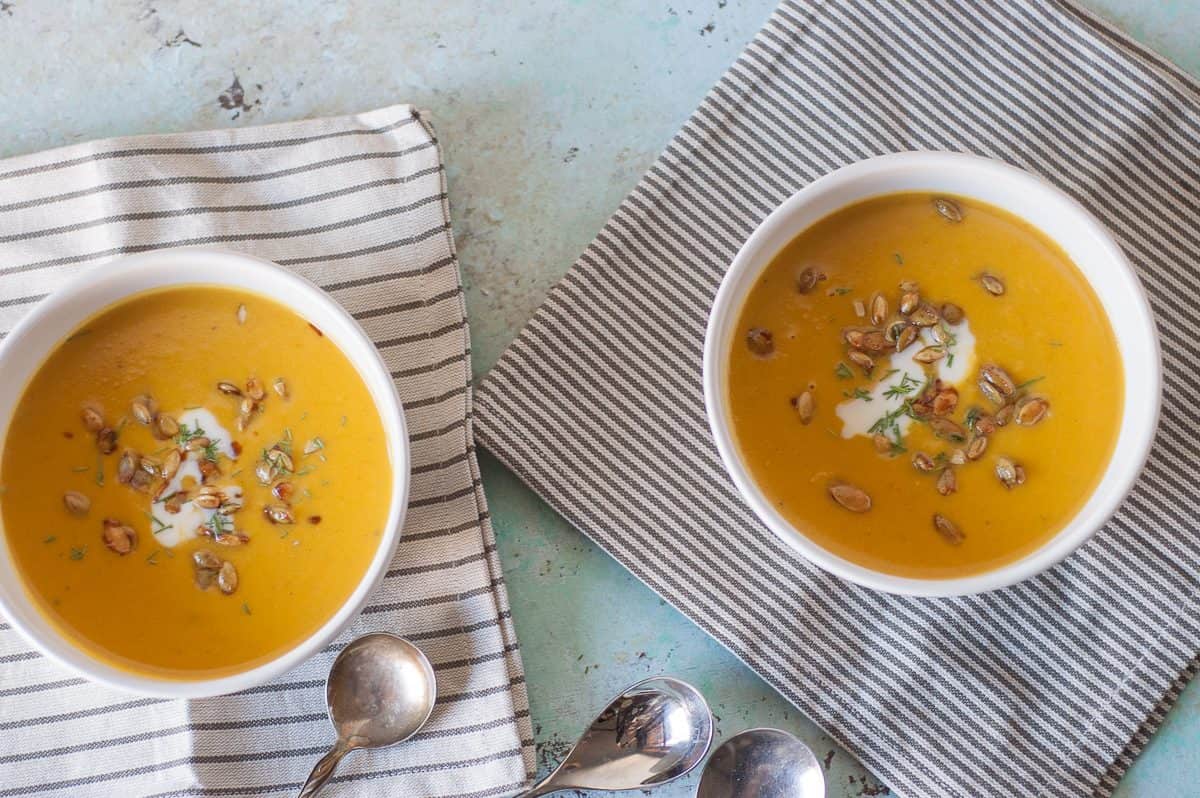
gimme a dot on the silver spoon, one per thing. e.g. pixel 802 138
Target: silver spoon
pixel 762 763
pixel 380 692
pixel 654 732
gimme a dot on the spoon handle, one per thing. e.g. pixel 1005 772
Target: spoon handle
pixel 543 787
pixel 323 770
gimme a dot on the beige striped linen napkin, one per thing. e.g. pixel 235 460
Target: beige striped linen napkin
pixel 358 205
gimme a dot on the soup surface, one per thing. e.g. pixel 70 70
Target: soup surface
pixel 193 481
pixel 927 386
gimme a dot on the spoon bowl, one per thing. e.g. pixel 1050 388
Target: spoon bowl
pixel 381 691
pixel 762 763
pixel 653 732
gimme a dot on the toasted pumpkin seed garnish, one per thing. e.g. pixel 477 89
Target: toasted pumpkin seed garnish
pixel 106 440
pixel 127 465
pixel 1004 415
pixel 197 443
pixel 924 315
pixel 804 404
pixel 948 209
pixel 1031 410
pixel 280 459
pixel 906 338
pixel 118 537
pixel 1010 473
pixel 883 444
pixel 998 377
pixel 205 577
pixel 848 496
pixel 923 462
pixel 947 482
pixel 958 457
pixel 948 529
pixel 165 427
pixel 150 466
pixel 944 401
pixel 947 429
pixel 808 280
pixel 893 331
pixel 909 301
pixel 284 491
pixel 977 447
pixel 281 388
pixel 93 420
pixel 207 560
pixel 171 463
pixel 279 514
pixel 879 309
pixel 760 341
pixel 862 360
pixel 860 309
pixel 227 578
pixel 142 410
pixel 228 388
pixel 76 503
pixel 929 355
pixel 255 390
pixel 952 313
pixel 315 445
pixel 992 284
pixel 207 501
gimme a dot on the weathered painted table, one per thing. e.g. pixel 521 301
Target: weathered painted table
pixel 549 111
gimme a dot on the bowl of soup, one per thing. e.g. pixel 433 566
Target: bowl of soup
pixel 203 472
pixel 932 373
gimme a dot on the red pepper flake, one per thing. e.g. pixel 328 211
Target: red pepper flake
pixel 68 435
pixel 314 519
pixel 237 448
pixel 316 329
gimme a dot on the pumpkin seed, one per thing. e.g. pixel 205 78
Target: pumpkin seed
pixel 206 560
pixel 808 280
pixel 126 466
pixel 227 578
pixel 1031 410
pixel 243 421
pixel 977 447
pixel 93 421
pixel 909 301
pixel 280 387
pixel 76 503
pixel 992 284
pixel 958 457
pixel 141 410
pixel 923 462
pixel 205 577
pixel 760 341
pixel 106 440
pixel 894 330
pixel 948 209
pixel 992 393
pixel 230 504
pixel 140 481
pixel 1004 415
pixel 804 405
pixel 174 503
pixel 998 377
pixel 171 463
pixel 279 514
pixel 1009 473
pixel 232 539
pixel 208 470
pixel 229 389
pixel 986 425
pixel 265 472
pixel 860 309
pixel 853 499
pixel 248 406
pixel 879 309
pixel 198 443
pixel 207 501
pixel 939 333
pixel 947 429
pixel 924 315
pixel 947 482
pixel 952 313
pixel 854 337
pixel 929 355
pixel 283 491
pixel 947 529
pixel 118 537
pixel 862 360
pixel 150 466
pixel 255 390
pixel 280 459
pixel 944 401
pixel 165 427
pixel 905 339
pixel 883 444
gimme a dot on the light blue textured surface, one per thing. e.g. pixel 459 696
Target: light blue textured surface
pixel 549 111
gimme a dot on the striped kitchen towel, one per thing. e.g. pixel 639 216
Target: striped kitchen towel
pixel 1049 688
pixel 358 205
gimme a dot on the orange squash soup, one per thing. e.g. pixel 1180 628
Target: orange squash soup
pixel 925 386
pixel 194 481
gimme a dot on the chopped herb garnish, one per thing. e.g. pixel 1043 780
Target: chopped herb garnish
pixel 940 459
pixel 303 472
pixel 211 452
pixel 906 386
pixel 899 259
pixel 314 445
pixel 78 334
pixel 859 393
pixel 100 470
pixel 972 416
pixel 50 538
pixel 304 415
pixel 193 407
pixel 78 552
pixel 81 469
pixel 246 608
pixel 217 525
pixel 1056 343
pixel 158 524
pixel 843 372
pixel 186 433
pixel 889 373
pixel 121 424
pixel 344 420
pixel 1027 383
pixel 897 448
pixel 949 360
pixel 153 558
pixel 842 290
pixel 235 473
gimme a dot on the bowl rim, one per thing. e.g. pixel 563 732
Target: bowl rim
pixel 196 265
pixel 1098 507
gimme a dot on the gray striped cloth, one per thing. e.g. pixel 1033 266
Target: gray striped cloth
pixel 1049 688
pixel 358 205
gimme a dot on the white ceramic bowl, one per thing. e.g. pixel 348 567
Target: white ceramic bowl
pixel 1061 218
pixel 28 345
